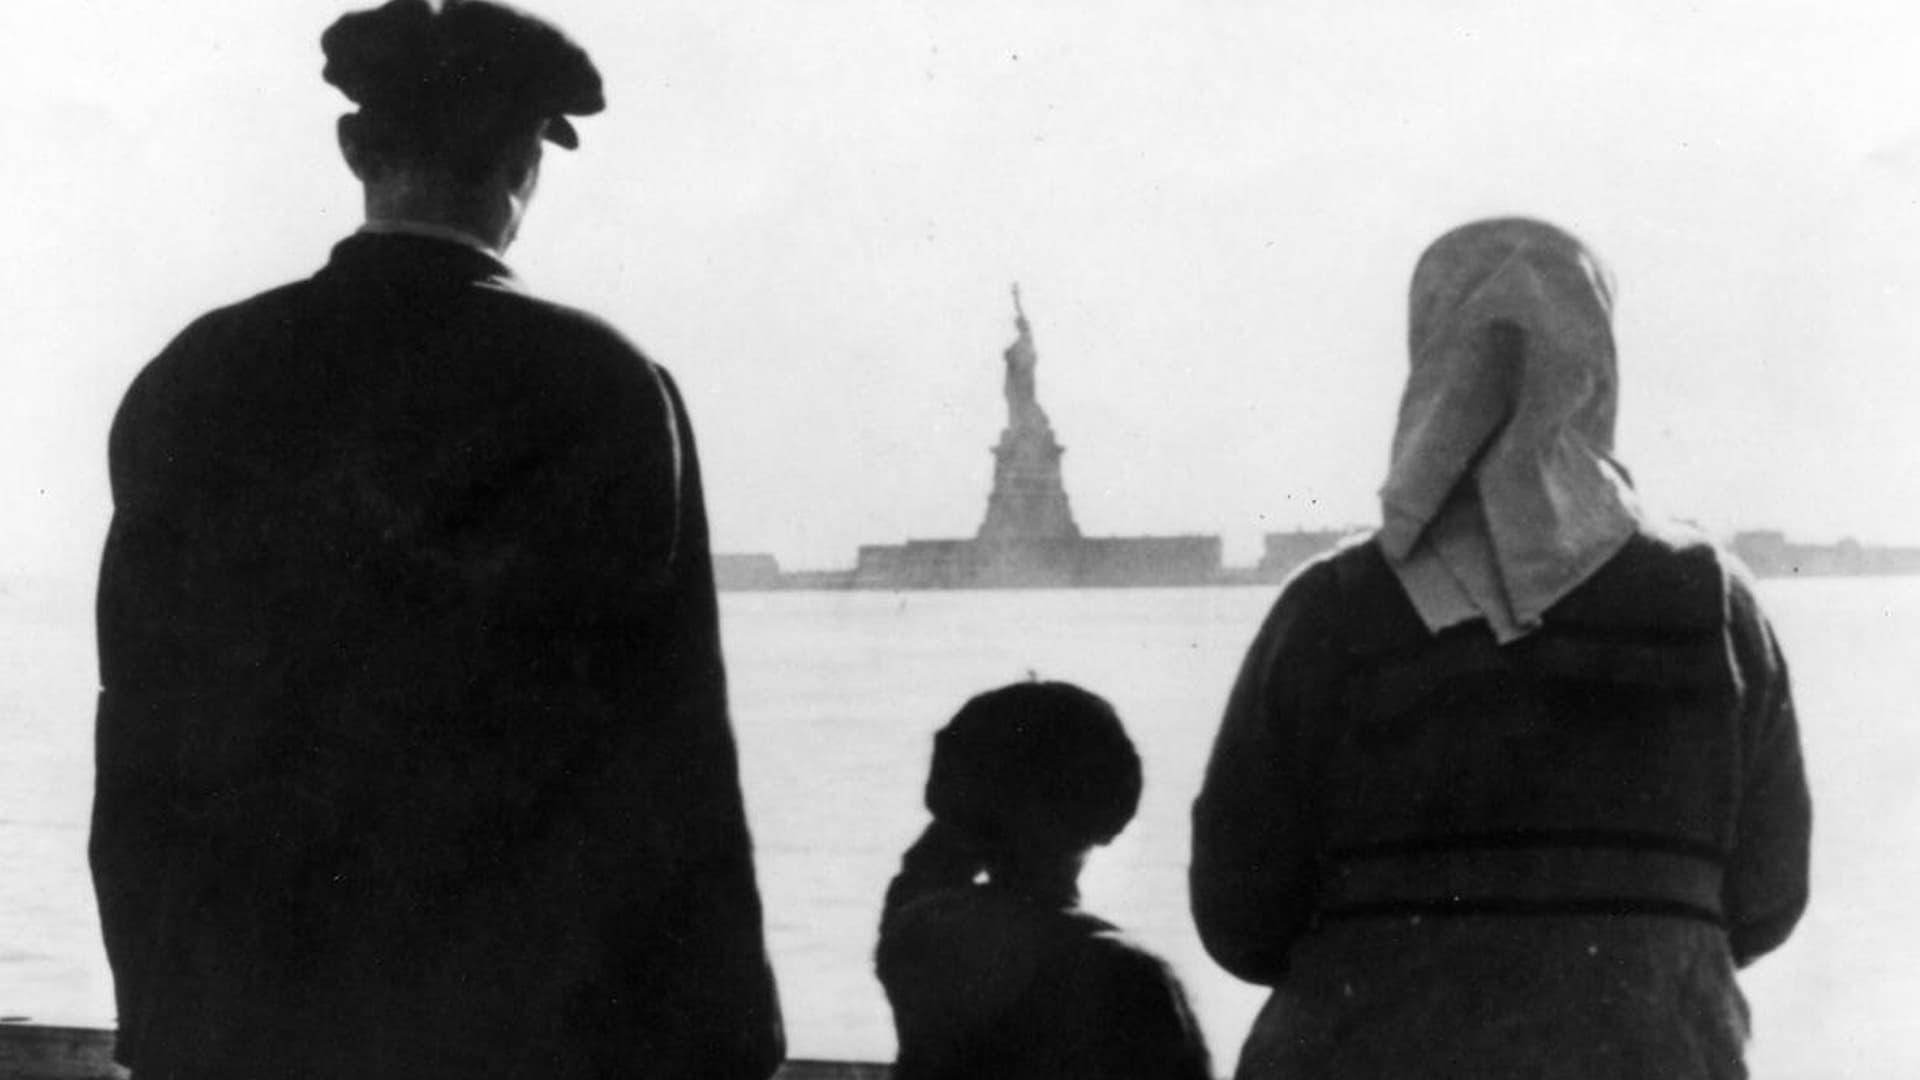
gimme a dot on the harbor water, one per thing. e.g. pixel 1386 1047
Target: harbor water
pixel 836 696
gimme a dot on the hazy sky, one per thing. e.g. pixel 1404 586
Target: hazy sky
pixel 811 213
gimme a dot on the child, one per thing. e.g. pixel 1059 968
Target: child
pixel 991 968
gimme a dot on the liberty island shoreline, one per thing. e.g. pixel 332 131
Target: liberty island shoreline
pixel 965 564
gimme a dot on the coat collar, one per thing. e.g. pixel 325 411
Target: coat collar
pixel 425 259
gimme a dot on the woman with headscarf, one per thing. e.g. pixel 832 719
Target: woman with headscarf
pixel 1514 785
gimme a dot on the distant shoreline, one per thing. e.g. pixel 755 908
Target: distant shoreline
pixel 1194 561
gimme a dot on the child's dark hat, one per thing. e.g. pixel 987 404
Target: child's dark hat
pixel 1035 752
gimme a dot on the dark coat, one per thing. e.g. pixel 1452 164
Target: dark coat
pixel 1451 858
pixel 988 983
pixel 413 748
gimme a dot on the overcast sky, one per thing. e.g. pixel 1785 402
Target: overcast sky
pixel 811 214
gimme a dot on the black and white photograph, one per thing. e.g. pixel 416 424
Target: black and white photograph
pixel 1014 539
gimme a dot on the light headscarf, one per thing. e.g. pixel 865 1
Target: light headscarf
pixel 1503 495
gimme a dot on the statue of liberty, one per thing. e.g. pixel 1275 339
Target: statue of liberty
pixel 1023 404
pixel 1028 501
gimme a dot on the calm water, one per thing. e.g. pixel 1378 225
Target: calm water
pixel 836 697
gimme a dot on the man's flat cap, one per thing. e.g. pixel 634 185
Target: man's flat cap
pixel 414 58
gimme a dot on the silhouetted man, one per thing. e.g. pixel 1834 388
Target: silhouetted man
pixel 414 757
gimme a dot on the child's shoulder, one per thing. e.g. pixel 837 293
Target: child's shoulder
pixel 1122 1007
pixel 997 942
pixel 976 960
pixel 1108 955
pixel 962 949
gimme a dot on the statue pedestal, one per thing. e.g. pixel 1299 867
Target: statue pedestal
pixel 1029 500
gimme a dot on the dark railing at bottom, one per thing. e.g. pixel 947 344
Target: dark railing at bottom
pixel 38 1052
